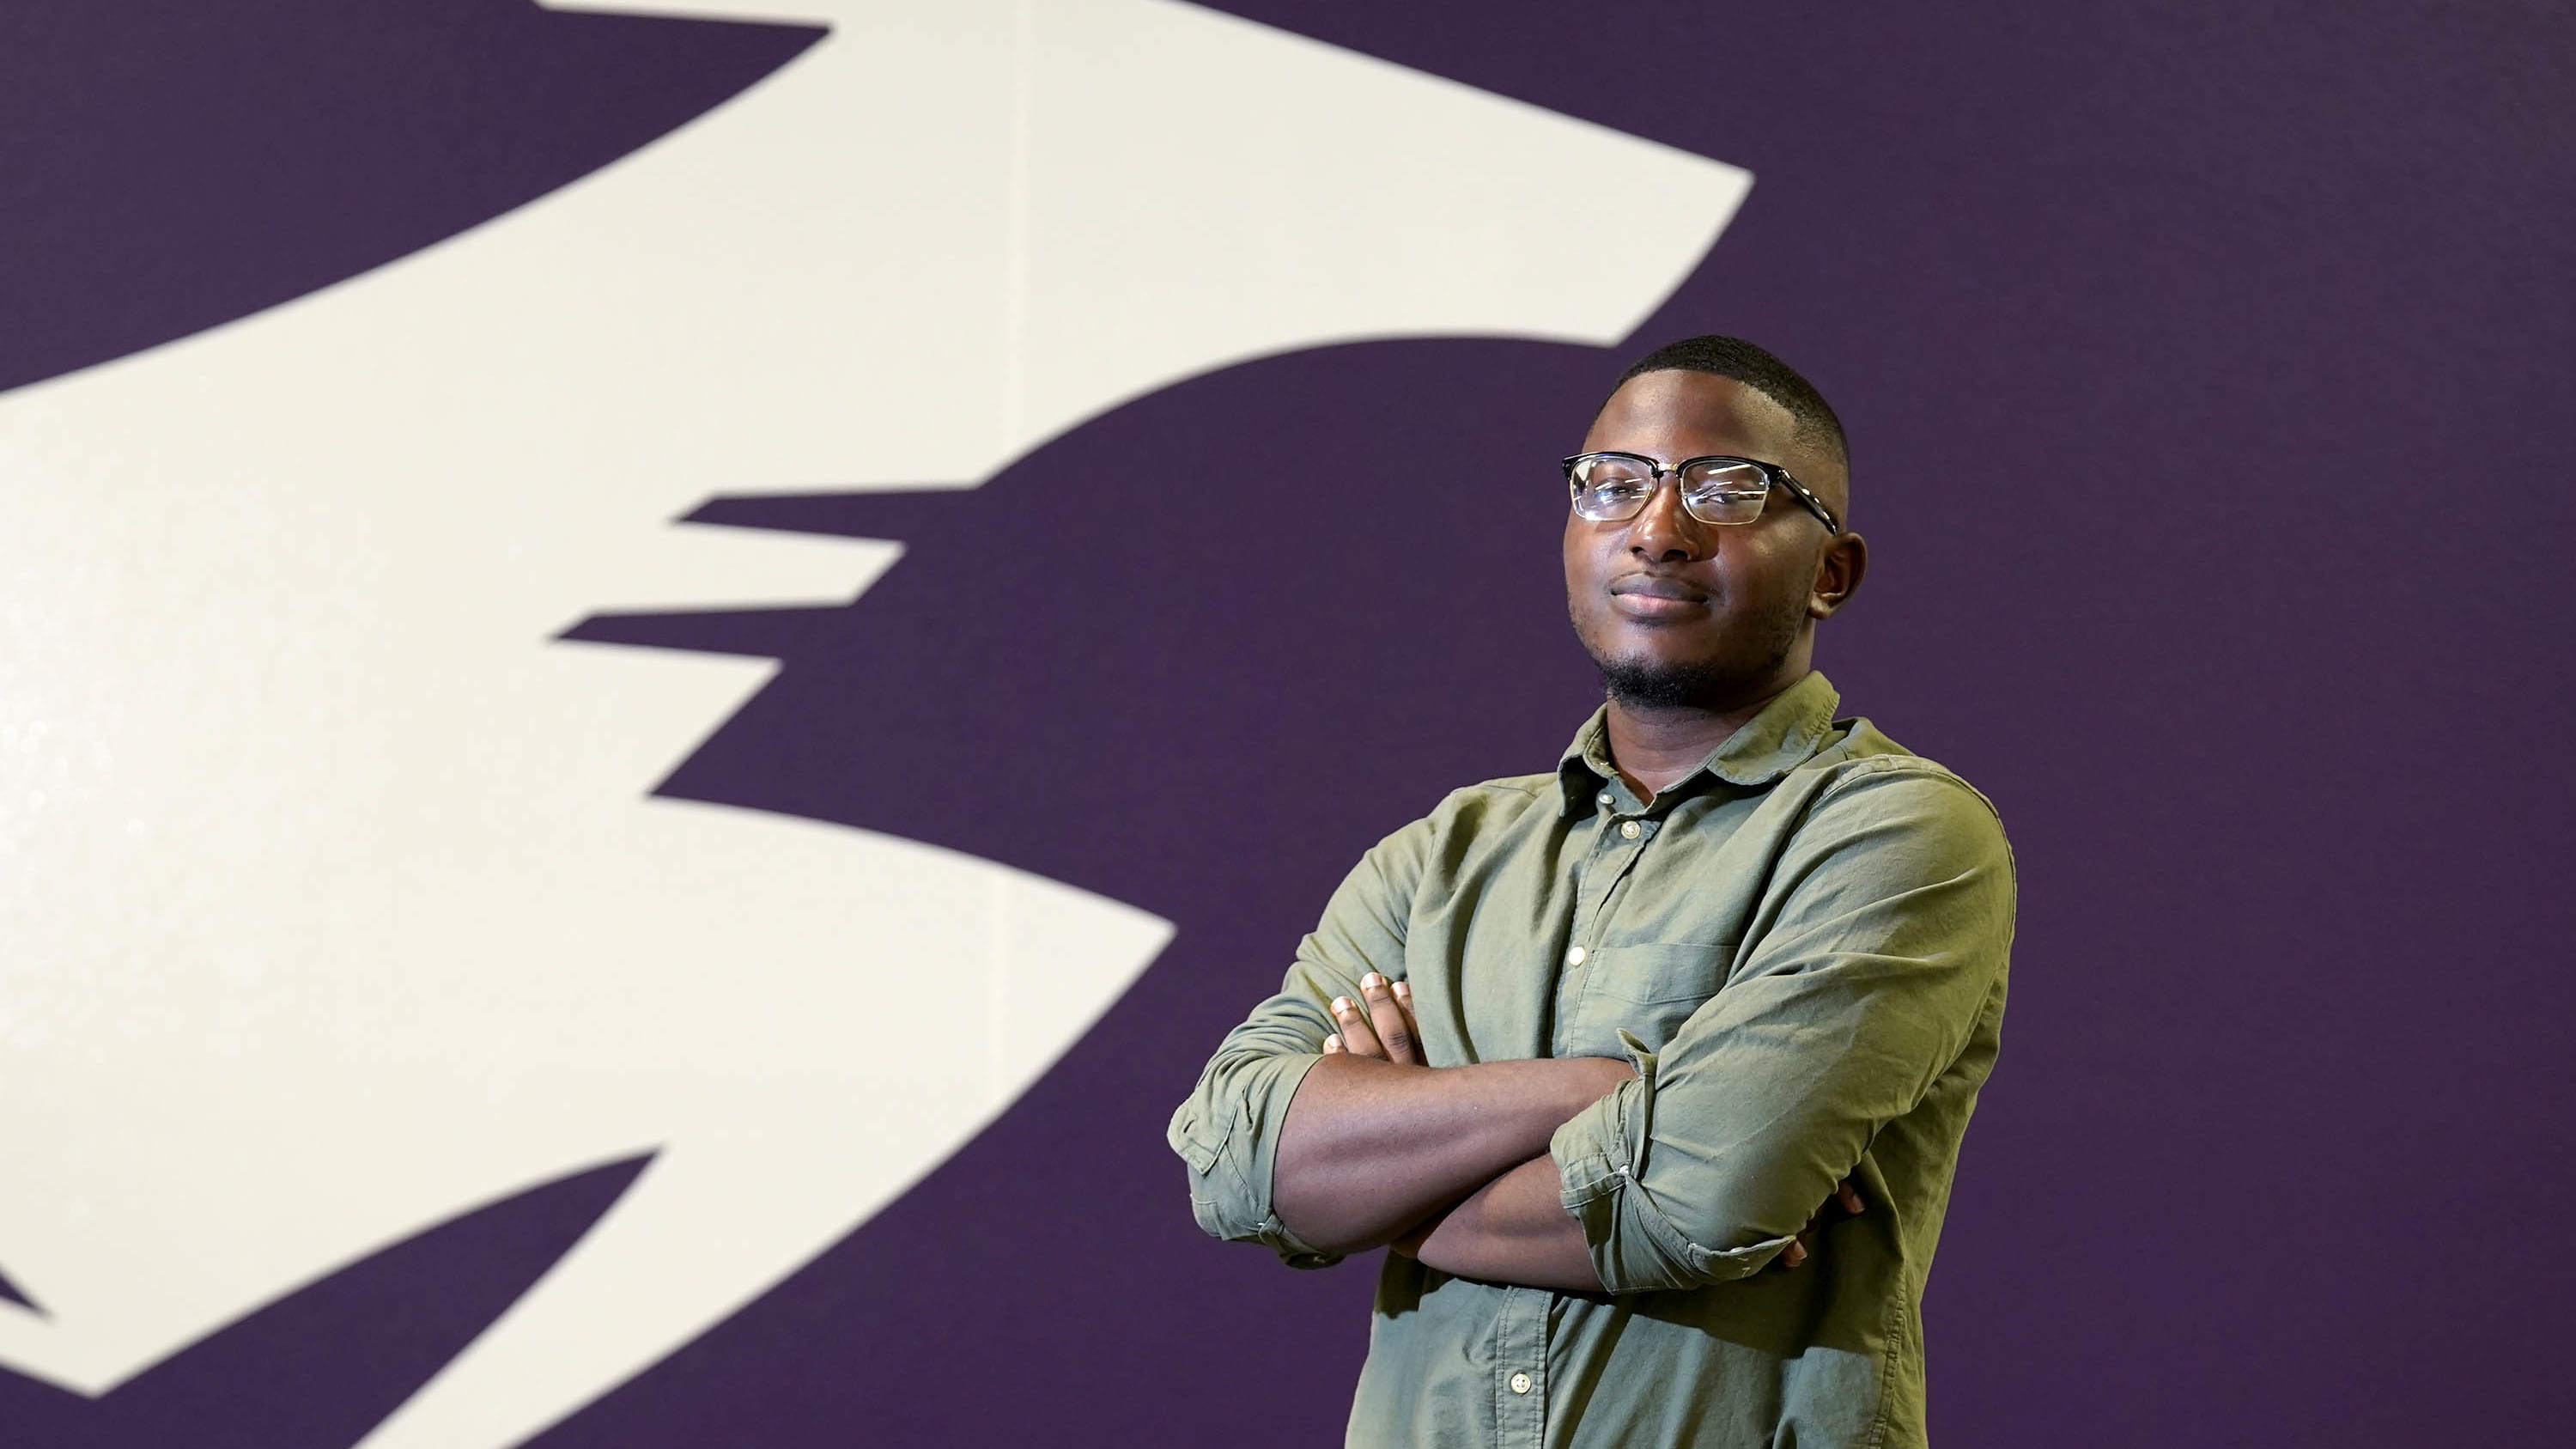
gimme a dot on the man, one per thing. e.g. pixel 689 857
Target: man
pixel 1587 1050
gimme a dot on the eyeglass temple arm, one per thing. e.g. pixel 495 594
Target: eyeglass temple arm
pixel 1814 504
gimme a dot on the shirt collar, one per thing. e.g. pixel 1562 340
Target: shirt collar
pixel 1775 741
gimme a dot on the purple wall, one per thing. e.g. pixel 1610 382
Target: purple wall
pixel 2200 366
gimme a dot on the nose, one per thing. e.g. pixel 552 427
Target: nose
pixel 1663 531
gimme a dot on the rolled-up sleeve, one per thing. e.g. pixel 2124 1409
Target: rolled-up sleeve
pixel 1880 945
pixel 1227 1132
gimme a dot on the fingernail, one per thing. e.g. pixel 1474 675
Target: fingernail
pixel 1333 1042
pixel 1404 989
pixel 1372 981
pixel 1341 1006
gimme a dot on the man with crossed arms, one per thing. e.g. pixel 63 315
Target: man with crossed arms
pixel 1586 1050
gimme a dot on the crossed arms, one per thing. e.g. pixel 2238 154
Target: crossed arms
pixel 1449 1166
pixel 1873 959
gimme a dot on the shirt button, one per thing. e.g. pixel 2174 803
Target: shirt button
pixel 1629 830
pixel 1603 797
pixel 1574 957
pixel 1520 1383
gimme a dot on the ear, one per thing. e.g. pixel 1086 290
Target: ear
pixel 1838 574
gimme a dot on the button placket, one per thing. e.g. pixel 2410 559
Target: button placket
pixel 1617 843
pixel 1623 845
pixel 1570 985
pixel 1520 1374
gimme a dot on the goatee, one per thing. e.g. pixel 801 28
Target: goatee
pixel 1638 684
pixel 1718 683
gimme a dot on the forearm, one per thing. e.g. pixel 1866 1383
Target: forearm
pixel 1368 1150
pixel 1513 1230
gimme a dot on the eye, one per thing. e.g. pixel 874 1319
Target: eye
pixel 1725 497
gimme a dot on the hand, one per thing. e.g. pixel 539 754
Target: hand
pixel 1380 1024
pixel 1846 1197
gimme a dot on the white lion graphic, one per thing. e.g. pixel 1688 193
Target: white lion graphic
pixel 334 900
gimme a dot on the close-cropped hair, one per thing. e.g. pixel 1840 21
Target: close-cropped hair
pixel 1758 369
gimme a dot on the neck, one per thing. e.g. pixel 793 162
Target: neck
pixel 1654 746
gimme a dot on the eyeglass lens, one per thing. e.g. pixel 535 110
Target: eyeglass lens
pixel 1607 490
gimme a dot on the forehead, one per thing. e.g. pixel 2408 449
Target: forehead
pixel 1676 414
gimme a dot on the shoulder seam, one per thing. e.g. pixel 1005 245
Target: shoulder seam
pixel 1869 765
pixel 1521 784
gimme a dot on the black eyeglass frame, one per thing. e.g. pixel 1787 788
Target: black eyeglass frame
pixel 1772 474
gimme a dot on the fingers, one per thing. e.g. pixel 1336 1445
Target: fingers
pixel 1798 1252
pixel 1392 1022
pixel 1358 1038
pixel 1845 1197
pixel 1380 1023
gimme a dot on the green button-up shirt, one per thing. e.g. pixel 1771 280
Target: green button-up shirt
pixel 1802 948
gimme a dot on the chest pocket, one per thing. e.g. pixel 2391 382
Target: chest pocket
pixel 1649 991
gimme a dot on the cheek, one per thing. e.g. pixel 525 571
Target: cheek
pixel 1769 568
pixel 1580 561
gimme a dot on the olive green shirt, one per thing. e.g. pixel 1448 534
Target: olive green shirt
pixel 1802 948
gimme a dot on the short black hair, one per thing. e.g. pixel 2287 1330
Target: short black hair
pixel 1759 370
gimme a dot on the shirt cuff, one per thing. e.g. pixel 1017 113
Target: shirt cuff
pixel 1231 1145
pixel 1596 1152
pixel 1634 1243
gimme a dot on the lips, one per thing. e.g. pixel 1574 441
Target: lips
pixel 1659 586
pixel 1656 598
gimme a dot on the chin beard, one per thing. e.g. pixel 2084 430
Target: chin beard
pixel 1641 685
pixel 1708 684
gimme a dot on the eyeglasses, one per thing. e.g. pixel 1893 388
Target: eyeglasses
pixel 1611 487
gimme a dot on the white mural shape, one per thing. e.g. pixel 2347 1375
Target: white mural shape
pixel 333 898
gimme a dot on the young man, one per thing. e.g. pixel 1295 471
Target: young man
pixel 1590 1051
